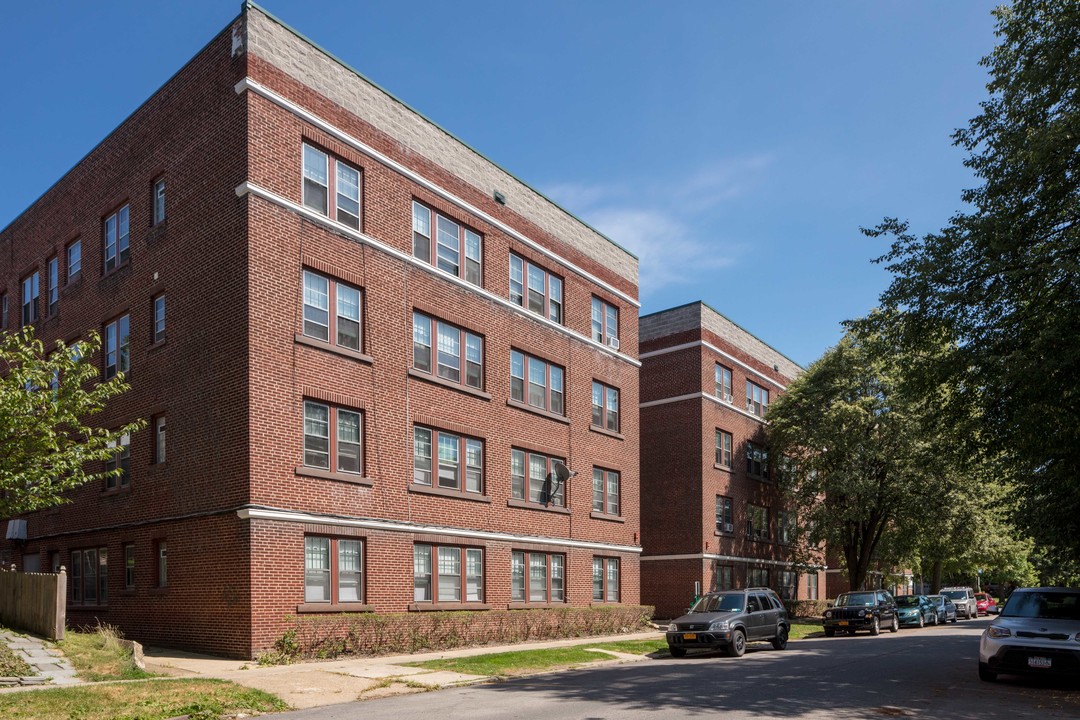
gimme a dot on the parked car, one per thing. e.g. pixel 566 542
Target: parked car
pixel 964 598
pixel 1037 633
pixel 916 610
pixel 862 610
pixel 946 608
pixel 985 603
pixel 729 619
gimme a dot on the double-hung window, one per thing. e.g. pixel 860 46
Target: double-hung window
pixel 757 522
pixel 117 238
pixel 757 461
pixel 725 518
pixel 605 407
pixel 447 574
pixel 722 576
pixel 120 460
pixel 723 382
pixel 159 201
pixel 159 318
pixel 332 311
pixel 447 244
pixel 451 343
pixel 812 586
pixel 452 461
pixel 534 288
pixel 333 570
pixel 333 435
pixel 159 439
pixel 723 449
pixel 532 478
pixel 757 399
pixel 537 382
pixel 785 527
pixel 118 346
pixel 129 566
pixel 537 577
pixel 31 290
pixel 605 323
pixel 53 274
pixel 757 577
pixel 605 572
pixel 323 173
pixel 90 576
pixel 74 261
pixel 605 485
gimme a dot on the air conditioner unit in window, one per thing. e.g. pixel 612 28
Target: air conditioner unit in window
pixel 728 398
pixel 613 343
pixel 729 527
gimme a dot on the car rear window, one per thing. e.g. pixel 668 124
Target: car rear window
pixel 955 594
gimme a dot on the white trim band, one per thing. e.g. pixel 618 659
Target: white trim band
pixel 718 351
pixel 282 102
pixel 703 396
pixel 730 558
pixel 246 188
pixel 396 526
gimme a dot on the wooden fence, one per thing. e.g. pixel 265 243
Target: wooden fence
pixel 34 602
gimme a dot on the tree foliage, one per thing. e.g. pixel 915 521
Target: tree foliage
pixel 1002 279
pixel 46 399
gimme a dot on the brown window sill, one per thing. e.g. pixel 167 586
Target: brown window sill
pixel 306 471
pixel 437 607
pixel 725 468
pixel 537 411
pixel 72 284
pixel 156 345
pixel 116 270
pixel 535 605
pixel 604 516
pixel 446 492
pixel 436 380
pixel 116 490
pixel 90 606
pixel 330 347
pixel 524 505
pixel 605 431
pixel 718 533
pixel 334 608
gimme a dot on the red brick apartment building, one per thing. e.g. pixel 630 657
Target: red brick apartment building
pixel 369 346
pixel 711 514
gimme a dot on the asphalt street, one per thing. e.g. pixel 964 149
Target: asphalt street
pixel 927 673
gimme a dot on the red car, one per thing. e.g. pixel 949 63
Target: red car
pixel 985 603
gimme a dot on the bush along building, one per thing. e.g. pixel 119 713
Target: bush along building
pixel 712 516
pixel 362 348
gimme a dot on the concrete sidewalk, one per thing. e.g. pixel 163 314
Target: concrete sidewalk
pixel 313 684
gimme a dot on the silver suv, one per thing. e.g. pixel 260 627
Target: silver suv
pixel 1037 633
pixel 728 619
pixel 964 599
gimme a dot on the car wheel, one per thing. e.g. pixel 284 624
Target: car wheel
pixel 986 674
pixel 780 641
pixel 677 652
pixel 875 628
pixel 895 624
pixel 738 644
pixel 933 620
pixel 922 621
pixel 830 632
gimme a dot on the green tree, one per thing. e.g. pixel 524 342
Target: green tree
pixel 45 401
pixel 1003 277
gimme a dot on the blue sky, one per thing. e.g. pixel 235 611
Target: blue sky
pixel 735 147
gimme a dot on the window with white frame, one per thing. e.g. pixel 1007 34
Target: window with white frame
pixel 333 435
pixel 537 382
pixel 723 449
pixel 605 573
pixel 757 522
pixel 129 566
pixel 757 461
pixel 451 461
pixel 789 583
pixel 31 290
pixel 159 318
pixel 447 244
pixel 331 187
pixel 605 407
pixel 159 439
pixel 536 289
pixel 332 311
pixel 605 323
pixel 161 555
pixel 757 399
pixel 333 570
pixel 723 382
pixel 117 237
pixel 534 474
pixel 785 527
pixel 812 586
pixel 74 261
pixel 447 574
pixel 90 576
pixel 725 516
pixel 537 577
pixel 118 346
pixel 159 201
pixel 458 354
pixel 53 277
pixel 119 460
pixel 605 491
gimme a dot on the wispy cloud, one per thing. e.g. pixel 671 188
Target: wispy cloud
pixel 673 227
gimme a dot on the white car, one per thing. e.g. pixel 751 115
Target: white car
pixel 964 599
pixel 1036 633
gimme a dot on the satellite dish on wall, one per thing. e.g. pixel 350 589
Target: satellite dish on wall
pixel 555 480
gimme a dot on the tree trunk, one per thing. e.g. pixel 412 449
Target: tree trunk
pixel 935 583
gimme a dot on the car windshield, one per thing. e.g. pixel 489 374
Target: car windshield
pixel 856 600
pixel 719 603
pixel 907 600
pixel 1045 605
pixel 955 594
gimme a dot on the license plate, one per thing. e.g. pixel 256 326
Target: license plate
pixel 1038 662
pixel 689 636
pixel 843 622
